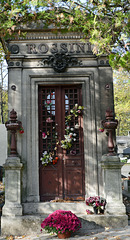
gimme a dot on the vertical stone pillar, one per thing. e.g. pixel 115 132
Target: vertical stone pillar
pixel 12 205
pixel 111 166
pixel 12 168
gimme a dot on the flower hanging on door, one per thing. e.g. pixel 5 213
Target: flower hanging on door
pixel 44 136
pixel 48 157
pixel 70 136
pixel 48 103
pixel 49 120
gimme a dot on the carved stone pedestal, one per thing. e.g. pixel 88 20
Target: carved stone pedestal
pixel 111 166
pixel 12 205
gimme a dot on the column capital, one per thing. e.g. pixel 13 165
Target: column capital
pixel 111 162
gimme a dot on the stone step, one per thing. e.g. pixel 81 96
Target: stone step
pixel 50 207
pixel 28 224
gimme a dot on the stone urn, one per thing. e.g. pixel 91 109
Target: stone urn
pixel 110 124
pixel 13 125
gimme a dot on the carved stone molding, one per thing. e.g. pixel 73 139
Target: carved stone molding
pixel 15 64
pixel 59 62
pixel 14 49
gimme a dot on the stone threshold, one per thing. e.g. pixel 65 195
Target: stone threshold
pixel 50 207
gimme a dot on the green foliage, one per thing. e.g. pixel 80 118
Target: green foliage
pixel 4 106
pixel 104 22
pixel 122 101
pixel 3 89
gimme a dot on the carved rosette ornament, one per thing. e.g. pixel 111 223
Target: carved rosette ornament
pixel 60 61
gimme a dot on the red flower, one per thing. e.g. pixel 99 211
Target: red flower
pixel 21 130
pixel 101 129
pixel 54 162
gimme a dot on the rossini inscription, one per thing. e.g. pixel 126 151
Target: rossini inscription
pixel 71 48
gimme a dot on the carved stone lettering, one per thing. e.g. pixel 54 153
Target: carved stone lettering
pixel 54 49
pixel 71 48
pixel 63 48
pixel 80 47
pixel 43 48
pixel 89 51
pixel 31 49
pixel 74 48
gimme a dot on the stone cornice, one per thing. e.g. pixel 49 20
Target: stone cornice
pixel 33 35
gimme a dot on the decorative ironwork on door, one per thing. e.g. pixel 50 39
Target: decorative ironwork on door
pixel 61 169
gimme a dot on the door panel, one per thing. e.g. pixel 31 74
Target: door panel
pixel 73 182
pixel 65 179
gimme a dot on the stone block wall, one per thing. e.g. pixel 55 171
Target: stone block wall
pixel 3 144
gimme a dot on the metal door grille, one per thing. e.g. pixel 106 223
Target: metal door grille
pixel 72 98
pixel 48 120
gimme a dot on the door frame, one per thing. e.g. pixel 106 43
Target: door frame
pixel 31 121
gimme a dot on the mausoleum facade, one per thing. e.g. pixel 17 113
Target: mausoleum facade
pixel 50 77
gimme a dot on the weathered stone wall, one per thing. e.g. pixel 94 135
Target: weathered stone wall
pixel 3 144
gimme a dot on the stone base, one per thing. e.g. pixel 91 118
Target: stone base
pixel 11 209
pixel 29 224
pixel 114 208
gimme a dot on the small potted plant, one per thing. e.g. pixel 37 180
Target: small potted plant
pixel 63 223
pixel 96 202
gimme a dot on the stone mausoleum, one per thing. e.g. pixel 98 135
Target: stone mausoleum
pixel 51 76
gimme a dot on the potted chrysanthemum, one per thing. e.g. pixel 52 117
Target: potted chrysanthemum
pixel 63 223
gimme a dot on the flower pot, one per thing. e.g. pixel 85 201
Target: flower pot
pixel 101 211
pixel 64 235
pixel 95 209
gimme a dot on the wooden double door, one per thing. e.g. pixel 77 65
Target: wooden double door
pixel 63 178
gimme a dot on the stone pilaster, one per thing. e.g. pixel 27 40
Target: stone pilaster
pixel 111 166
pixel 12 205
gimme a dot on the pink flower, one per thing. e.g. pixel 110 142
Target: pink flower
pixel 49 120
pixel 101 129
pixel 88 211
pixel 44 136
pixel 61 221
pixel 48 102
